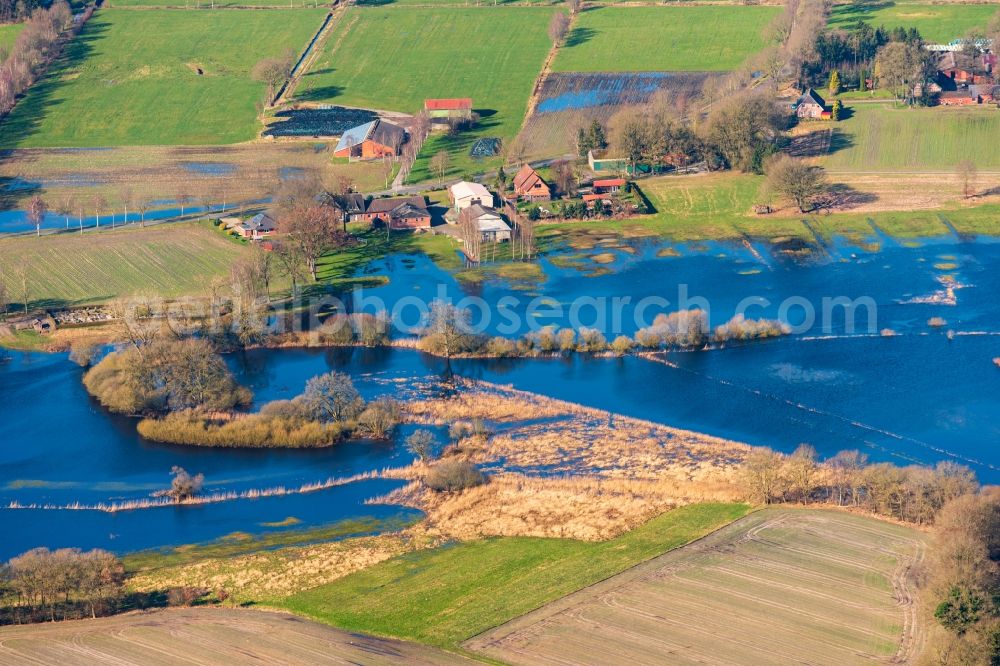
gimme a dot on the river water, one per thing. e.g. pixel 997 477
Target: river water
pixel 924 395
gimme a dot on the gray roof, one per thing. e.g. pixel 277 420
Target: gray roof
pixel 810 96
pixel 408 210
pixel 476 211
pixel 377 130
pixel 261 223
pixel 387 205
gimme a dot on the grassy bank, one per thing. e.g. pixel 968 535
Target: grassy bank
pixel 445 595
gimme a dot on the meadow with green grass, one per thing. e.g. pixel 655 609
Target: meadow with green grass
pixel 937 22
pixel 446 595
pixel 885 137
pixel 636 39
pixel 8 34
pixel 165 260
pixel 393 58
pixel 132 78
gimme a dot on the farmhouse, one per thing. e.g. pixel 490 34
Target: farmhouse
pixel 491 226
pixel 464 194
pixel 372 140
pixel 258 226
pixel 811 105
pixel 960 69
pixel 529 186
pixel 446 112
pixel 397 213
pixel 347 205
pixel 608 186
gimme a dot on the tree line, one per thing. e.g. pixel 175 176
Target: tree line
pixel 38 44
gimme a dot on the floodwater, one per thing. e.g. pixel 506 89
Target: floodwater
pixel 924 395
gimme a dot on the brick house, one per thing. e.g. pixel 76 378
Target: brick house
pixel 372 140
pixel 528 185
pixel 398 213
pixel 810 105
pixel 259 226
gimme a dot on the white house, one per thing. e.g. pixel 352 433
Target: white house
pixel 465 194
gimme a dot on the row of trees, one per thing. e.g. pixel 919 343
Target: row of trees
pixel 61 584
pixel 913 494
pixel 37 45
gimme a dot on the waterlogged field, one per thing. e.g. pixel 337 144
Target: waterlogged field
pixel 881 137
pixel 636 39
pixel 937 22
pixel 170 636
pixel 70 269
pixel 446 595
pixel 568 101
pixel 157 78
pixel 491 55
pixel 777 587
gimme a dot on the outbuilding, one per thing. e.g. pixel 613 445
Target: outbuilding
pixel 372 140
pixel 464 194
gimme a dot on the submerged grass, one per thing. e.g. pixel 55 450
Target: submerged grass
pixel 445 595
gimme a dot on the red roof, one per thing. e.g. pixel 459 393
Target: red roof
pixel 610 182
pixel 448 104
pixel 594 197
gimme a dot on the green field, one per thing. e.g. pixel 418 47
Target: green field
pixel 636 39
pixel 9 33
pixel 778 587
pixel 936 22
pixel 394 58
pixel 448 594
pixel 882 137
pixel 165 260
pixel 131 79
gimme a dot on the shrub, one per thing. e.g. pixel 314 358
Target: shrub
pixel 739 328
pixel 648 338
pixel 421 444
pixel 591 340
pixel 337 330
pixel 184 596
pixel 331 397
pixel 547 340
pixel 500 346
pixel 371 330
pixel 567 340
pixel 937 322
pixel 453 475
pixel 622 345
pixel 84 353
pixel 380 418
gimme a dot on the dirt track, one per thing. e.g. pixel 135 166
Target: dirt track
pixel 204 636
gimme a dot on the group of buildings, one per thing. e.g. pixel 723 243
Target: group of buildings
pixel 380 138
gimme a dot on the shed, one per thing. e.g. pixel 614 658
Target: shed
pixel 372 140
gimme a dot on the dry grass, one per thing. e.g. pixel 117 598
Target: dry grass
pixel 484 401
pixel 278 573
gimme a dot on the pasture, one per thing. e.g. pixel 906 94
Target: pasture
pixel 157 77
pixel 9 33
pixel 207 636
pixel 882 137
pixel 780 586
pixel 394 58
pixel 165 260
pixel 448 594
pixel 675 38
pixel 937 22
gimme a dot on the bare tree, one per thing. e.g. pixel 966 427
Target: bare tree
pixel 99 204
pixel 64 207
pixel 183 199
pixel 142 206
pixel 797 180
pixel 22 282
pixel 315 230
pixel 125 195
pixel 439 165
pixel 36 213
pixel 558 27
pixel 967 173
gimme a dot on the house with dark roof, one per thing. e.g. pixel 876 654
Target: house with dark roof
pixel 257 227
pixel 346 205
pixel 529 186
pixel 960 69
pixel 372 140
pixel 810 105
pixel 397 212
